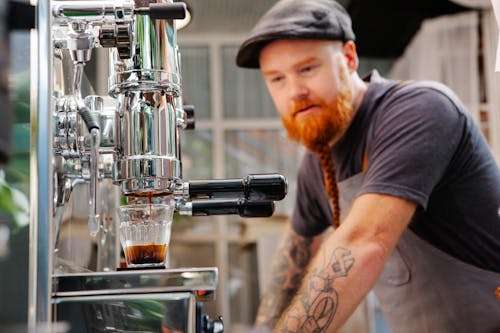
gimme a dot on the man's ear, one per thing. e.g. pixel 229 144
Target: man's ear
pixel 351 55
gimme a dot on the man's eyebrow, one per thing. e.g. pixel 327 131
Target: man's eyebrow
pixel 270 72
pixel 305 61
pixel 300 63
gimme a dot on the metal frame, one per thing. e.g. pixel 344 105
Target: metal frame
pixel 40 262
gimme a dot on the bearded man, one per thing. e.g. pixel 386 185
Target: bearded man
pixel 398 169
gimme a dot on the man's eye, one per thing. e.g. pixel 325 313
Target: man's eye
pixel 277 79
pixel 306 69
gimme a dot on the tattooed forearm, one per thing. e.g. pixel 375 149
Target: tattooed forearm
pixel 289 267
pixel 318 298
pixel 320 313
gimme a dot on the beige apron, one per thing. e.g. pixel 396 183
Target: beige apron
pixel 424 290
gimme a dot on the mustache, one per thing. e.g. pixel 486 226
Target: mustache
pixel 303 104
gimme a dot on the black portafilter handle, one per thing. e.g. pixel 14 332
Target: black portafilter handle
pixel 164 11
pixel 261 187
pixel 239 207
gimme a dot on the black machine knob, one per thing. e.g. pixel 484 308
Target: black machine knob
pixel 189 119
pixel 212 326
pixel 164 11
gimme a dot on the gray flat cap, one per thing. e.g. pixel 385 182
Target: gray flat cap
pixel 296 19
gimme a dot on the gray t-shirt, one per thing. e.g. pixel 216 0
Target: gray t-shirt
pixel 422 145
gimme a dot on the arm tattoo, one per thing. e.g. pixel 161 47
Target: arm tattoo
pixel 289 267
pixel 318 298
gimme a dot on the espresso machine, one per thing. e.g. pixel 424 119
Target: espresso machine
pixel 121 147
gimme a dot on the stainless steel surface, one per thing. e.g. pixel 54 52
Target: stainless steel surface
pixel 146 143
pixel 145 82
pixel 130 139
pixel 201 281
pixel 94 222
pixel 91 9
pixel 172 311
pixel 139 139
pixel 41 204
pixel 146 86
pixel 138 147
pixel 121 297
pixel 108 243
pixel 150 80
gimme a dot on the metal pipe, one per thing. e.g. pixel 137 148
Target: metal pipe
pixel 94 219
pixel 77 81
pixel 95 143
pixel 91 9
pixel 41 170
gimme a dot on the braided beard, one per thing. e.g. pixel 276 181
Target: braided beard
pixel 319 130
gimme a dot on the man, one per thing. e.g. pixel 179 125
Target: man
pixel 423 188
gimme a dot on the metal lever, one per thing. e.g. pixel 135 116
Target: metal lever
pixel 261 187
pixel 228 207
pixel 164 11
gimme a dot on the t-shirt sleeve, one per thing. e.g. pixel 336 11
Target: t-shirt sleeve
pixel 312 212
pixel 411 143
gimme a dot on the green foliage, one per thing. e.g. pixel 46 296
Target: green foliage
pixel 13 202
pixel 7 203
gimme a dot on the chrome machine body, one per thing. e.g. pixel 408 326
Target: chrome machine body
pixel 122 145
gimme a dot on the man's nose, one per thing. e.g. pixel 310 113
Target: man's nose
pixel 298 89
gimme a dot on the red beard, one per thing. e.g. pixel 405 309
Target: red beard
pixel 322 127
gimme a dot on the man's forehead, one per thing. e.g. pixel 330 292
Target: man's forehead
pixel 306 43
pixel 295 52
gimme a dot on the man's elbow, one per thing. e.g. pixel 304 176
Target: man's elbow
pixel 372 248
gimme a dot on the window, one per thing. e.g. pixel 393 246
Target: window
pixel 238 132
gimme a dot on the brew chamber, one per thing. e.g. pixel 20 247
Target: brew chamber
pixel 123 148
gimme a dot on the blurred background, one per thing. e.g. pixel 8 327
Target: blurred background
pixel 238 131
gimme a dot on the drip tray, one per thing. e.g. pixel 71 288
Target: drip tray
pixel 138 268
pixel 200 281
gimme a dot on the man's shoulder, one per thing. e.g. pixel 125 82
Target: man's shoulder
pixel 424 98
pixel 425 88
pixel 395 88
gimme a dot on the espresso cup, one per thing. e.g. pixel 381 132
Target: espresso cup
pixel 145 234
